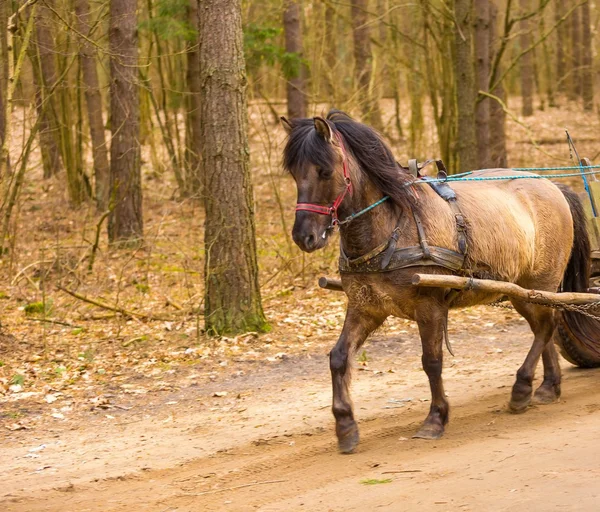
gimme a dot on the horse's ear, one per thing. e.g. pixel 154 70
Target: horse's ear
pixel 287 126
pixel 323 129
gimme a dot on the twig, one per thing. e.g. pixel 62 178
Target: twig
pixel 214 491
pixel 48 321
pixel 124 312
pixel 97 240
pixel 402 471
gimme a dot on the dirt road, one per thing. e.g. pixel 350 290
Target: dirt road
pixel 268 443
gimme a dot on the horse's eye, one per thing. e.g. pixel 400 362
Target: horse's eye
pixel 324 174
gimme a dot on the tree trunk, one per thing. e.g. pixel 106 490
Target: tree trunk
pixel 3 75
pixel 575 89
pixel 482 54
pixel 45 80
pixel 193 132
pixel 296 82
pixel 561 44
pixel 93 101
pixel 232 295
pixel 363 65
pixel 125 223
pixel 331 54
pixel 526 62
pixel 498 155
pixel 464 75
pixel 587 72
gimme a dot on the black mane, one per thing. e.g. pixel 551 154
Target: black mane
pixel 368 148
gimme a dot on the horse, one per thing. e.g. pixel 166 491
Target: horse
pixel 529 232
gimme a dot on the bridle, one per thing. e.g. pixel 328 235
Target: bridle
pixel 332 210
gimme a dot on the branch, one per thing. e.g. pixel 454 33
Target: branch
pixel 122 311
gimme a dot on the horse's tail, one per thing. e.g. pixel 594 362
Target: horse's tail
pixel 578 335
pixel 577 275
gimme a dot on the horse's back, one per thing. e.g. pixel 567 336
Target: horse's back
pixel 521 229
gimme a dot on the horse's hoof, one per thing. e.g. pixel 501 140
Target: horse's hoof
pixel 518 407
pixel 431 432
pixel 348 441
pixel 545 396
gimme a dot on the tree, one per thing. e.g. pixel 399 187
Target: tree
pixel 561 44
pixel 44 66
pixel 3 75
pixel 498 155
pixel 363 64
pixel 232 296
pixel 587 72
pixel 482 55
pixel 296 82
pixel 93 101
pixel 575 79
pixel 464 75
pixel 526 62
pixel 193 131
pixel 125 223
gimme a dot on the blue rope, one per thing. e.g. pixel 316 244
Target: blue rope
pixel 498 178
pixel 358 214
pixel 465 176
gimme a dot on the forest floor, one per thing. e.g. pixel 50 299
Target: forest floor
pixel 130 405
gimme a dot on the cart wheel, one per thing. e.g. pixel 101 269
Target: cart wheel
pixel 578 338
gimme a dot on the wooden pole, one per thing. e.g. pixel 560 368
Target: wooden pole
pixel 501 287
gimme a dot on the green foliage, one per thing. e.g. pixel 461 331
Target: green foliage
pixel 142 288
pixel 362 358
pixel 37 308
pixel 261 47
pixel 374 481
pixel 17 379
pixel 171 21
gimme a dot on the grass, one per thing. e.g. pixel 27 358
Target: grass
pixel 375 481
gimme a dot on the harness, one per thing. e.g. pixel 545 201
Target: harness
pixel 386 258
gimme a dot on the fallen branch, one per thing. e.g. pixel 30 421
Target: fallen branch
pixel 503 288
pixel 122 311
pixel 214 491
pixel 57 322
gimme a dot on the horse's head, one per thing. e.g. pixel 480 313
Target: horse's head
pixel 315 157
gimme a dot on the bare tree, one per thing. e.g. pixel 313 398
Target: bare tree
pixel 498 154
pixel 232 295
pixel 526 62
pixel 561 44
pixel 93 101
pixel 464 75
pixel 42 59
pixel 296 82
pixel 193 132
pixel 125 223
pixel 482 54
pixel 363 64
pixel 575 77
pixel 587 72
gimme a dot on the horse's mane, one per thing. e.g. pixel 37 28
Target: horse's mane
pixel 366 145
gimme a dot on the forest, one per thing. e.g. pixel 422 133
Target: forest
pixel 145 219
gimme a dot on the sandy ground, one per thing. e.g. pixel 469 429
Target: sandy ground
pixel 268 443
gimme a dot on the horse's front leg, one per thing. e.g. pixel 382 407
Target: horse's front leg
pixel 357 326
pixel 431 320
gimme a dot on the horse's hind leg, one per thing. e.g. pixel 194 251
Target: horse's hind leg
pixel 542 322
pixel 431 320
pixel 549 390
pixel 357 326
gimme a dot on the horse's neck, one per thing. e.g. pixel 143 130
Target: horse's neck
pixel 366 232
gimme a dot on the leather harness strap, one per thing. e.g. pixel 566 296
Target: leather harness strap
pixel 386 258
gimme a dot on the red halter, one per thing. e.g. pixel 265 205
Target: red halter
pixel 332 210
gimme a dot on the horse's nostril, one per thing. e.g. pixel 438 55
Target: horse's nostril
pixel 310 240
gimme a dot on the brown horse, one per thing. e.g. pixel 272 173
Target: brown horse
pixel 525 231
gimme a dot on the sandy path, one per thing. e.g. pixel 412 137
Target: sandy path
pixel 274 428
